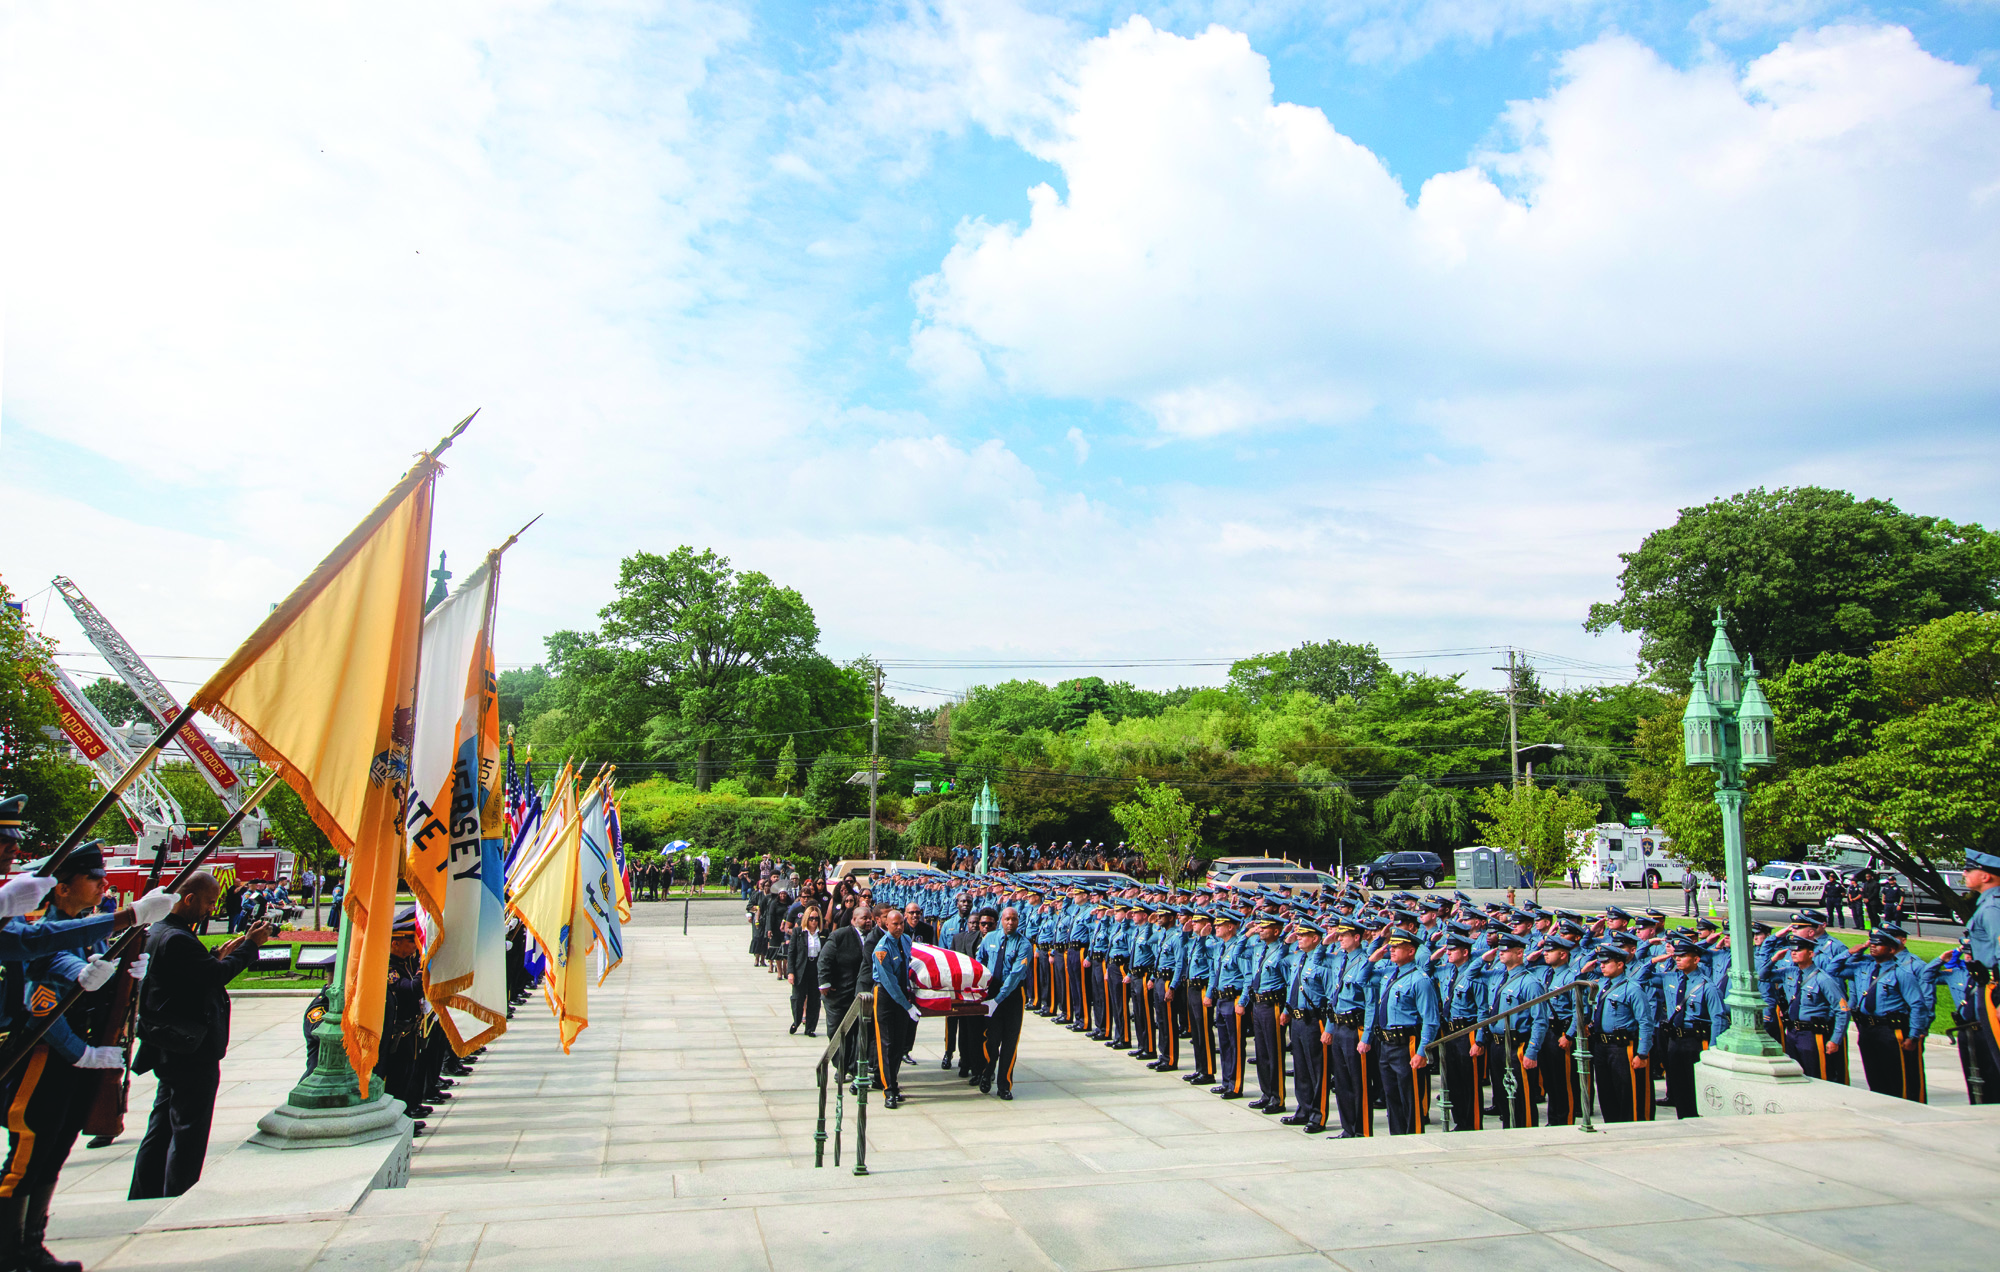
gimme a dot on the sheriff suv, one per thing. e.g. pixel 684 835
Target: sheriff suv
pixel 1403 869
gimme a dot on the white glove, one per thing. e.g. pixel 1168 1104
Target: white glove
pixel 102 1058
pixel 154 906
pixel 96 972
pixel 915 1014
pixel 991 1006
pixel 24 893
pixel 139 966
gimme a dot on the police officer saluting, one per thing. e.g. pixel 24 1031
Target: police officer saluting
pixel 1403 1018
pixel 1980 1013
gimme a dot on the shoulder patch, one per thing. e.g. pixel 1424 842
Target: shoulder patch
pixel 44 1000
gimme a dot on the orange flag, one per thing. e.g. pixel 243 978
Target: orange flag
pixel 324 691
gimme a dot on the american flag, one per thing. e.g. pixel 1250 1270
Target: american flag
pixel 941 978
pixel 524 807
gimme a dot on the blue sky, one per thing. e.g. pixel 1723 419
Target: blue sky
pixel 1002 330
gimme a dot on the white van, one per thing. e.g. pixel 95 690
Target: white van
pixel 1635 856
pixel 862 869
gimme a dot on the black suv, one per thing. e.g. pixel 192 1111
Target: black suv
pixel 1403 869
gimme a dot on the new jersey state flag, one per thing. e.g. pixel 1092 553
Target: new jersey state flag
pixel 600 885
pixel 457 819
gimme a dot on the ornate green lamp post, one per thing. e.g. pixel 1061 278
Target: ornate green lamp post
pixel 1727 728
pixel 985 815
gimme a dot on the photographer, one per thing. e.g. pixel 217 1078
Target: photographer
pixel 183 1035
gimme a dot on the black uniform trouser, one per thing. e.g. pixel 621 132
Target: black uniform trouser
pixel 1559 1082
pixel 169 1158
pixel 1891 1069
pixel 1350 1081
pixel 1270 1055
pixel 1003 1040
pixel 50 1102
pixel 1229 1032
pixel 1309 1077
pixel 1093 993
pixel 1625 1094
pixel 1201 1029
pixel 1514 1087
pixel 1166 1023
pixel 891 1041
pixel 1979 1040
pixel 1406 1088
pixel 805 1003
pixel 1465 1081
pixel 1683 1052
pixel 1138 1009
pixel 1076 1007
pixel 1805 1042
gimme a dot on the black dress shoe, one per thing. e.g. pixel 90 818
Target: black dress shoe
pixel 1347 1135
pixel 811 1034
pixel 985 1085
pixel 1270 1109
pixel 1006 1095
pixel 794 1028
pixel 1166 1068
pixel 421 1111
pixel 946 1062
pixel 1315 1128
pixel 1121 1046
pixel 1229 1095
pixel 1145 1055
pixel 1295 1119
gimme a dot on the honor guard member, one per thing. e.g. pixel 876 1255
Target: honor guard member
pixel 1462 998
pixel 1829 951
pixel 1815 1010
pixel 895 1015
pixel 55 1086
pixel 1621 1039
pixel 1116 1029
pixel 1979 1016
pixel 1691 1014
pixel 1007 953
pixel 1201 1002
pixel 1892 1002
pixel 1305 1017
pixel 1169 954
pixel 1231 1001
pixel 1403 1020
pixel 1267 987
pixel 1138 978
pixel 1516 984
pixel 1554 1047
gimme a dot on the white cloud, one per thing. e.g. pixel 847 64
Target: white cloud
pixel 1813 230
pixel 1079 444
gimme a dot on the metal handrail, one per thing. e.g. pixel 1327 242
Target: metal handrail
pixel 1578 989
pixel 860 1011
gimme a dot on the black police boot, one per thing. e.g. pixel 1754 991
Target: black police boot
pixel 35 1255
pixel 1295 1119
pixel 946 1062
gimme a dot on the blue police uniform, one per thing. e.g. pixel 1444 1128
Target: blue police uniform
pixel 1403 1020
pixel 1622 1032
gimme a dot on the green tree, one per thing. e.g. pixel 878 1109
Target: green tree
pixel 1162 828
pixel 294 828
pixel 786 774
pixel 695 650
pixel 1327 669
pixel 1799 572
pixel 118 703
pixel 518 688
pixel 1902 756
pixel 829 793
pixel 1540 824
pixel 1417 815
pixel 34 760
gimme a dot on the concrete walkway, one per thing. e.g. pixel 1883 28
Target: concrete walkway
pixel 679 1133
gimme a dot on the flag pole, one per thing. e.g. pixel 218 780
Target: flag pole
pixel 444 443
pixel 139 764
pixel 24 1041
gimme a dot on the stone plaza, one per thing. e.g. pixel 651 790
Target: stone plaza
pixel 679 1133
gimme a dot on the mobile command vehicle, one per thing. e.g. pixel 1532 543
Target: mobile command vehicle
pixel 1633 854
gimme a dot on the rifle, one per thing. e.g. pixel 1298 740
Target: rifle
pixel 113 1028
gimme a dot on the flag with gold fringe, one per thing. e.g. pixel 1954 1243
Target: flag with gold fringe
pixel 324 691
pixel 456 819
pixel 547 898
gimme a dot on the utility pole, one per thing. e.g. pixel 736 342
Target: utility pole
pixel 1513 720
pixel 874 758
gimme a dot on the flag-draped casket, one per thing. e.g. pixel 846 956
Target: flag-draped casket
pixel 943 981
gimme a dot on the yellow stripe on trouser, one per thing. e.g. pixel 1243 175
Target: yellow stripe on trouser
pixel 1478 1092
pixel 17 1122
pixel 1527 1098
pixel 1242 1020
pixel 1420 1091
pixel 881 1056
pixel 1325 1065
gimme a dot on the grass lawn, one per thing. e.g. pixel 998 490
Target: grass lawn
pixel 273 978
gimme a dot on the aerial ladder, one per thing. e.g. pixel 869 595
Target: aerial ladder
pixel 153 813
pixel 160 704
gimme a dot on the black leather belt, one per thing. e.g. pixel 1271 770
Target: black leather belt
pixel 1618 1035
pixel 1400 1033
pixel 1881 1021
pixel 1684 1031
pixel 1463 1023
pixel 1349 1018
pixel 1198 982
pixel 1270 1000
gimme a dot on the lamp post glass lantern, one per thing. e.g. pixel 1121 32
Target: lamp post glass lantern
pixel 1727 727
pixel 985 815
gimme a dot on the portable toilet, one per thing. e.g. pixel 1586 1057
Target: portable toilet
pixel 1477 867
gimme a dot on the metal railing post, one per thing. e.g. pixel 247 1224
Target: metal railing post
pixel 1585 1078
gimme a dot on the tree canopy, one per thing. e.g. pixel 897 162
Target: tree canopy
pixel 1799 572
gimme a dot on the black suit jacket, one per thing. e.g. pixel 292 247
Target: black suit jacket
pixel 802 966
pixel 186 990
pixel 841 959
